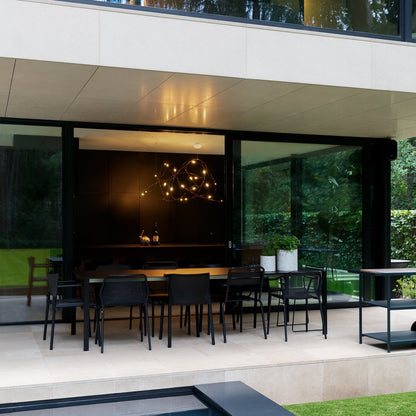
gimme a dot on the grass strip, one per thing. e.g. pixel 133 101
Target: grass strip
pixel 400 404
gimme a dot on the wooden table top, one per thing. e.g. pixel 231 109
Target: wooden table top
pixel 156 274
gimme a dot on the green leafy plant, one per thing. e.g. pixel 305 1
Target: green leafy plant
pixel 406 287
pixel 268 250
pixel 285 242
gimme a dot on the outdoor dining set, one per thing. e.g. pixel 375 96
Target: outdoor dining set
pixel 237 291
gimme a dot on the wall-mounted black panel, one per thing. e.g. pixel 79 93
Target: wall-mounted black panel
pixel 109 209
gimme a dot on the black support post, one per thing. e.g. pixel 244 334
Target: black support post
pixel 377 158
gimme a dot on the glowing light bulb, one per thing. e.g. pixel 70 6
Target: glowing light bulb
pixel 193 188
pixel 207 185
pixel 204 171
pixel 209 196
pixel 142 193
pixel 167 193
pixel 165 184
pixel 182 185
pixel 196 178
pixel 171 188
pixel 193 162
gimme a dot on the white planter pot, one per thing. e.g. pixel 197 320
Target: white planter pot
pixel 287 260
pixel 268 263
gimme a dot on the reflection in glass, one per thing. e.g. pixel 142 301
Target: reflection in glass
pixel 30 215
pixel 312 191
pixel 368 16
pixel 413 19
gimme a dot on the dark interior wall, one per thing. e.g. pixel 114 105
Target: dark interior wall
pixel 108 209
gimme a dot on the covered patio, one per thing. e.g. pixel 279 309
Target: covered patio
pixel 306 368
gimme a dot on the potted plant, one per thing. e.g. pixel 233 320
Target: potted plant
pixel 286 247
pixel 268 258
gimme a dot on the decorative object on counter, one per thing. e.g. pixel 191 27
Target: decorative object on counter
pixel 144 239
pixel 155 236
pixel 286 252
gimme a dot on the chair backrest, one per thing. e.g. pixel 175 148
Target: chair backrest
pixel 308 284
pixel 189 289
pixel 246 276
pixel 33 265
pixel 114 266
pixel 53 279
pixel 160 265
pixel 124 289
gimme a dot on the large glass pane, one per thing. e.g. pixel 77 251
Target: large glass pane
pixel 414 19
pixel 371 16
pixel 30 215
pixel 310 190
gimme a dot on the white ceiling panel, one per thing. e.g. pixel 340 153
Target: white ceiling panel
pixel 123 85
pixel 59 91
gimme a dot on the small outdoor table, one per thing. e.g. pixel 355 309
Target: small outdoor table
pixel 389 337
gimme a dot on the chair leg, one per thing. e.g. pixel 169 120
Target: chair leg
pixel 102 330
pixel 284 318
pixel 162 313
pixel 255 310
pixel 223 321
pixel 153 319
pixel 29 292
pixel 262 318
pixel 188 318
pixel 146 317
pixel 169 326
pixel 322 318
pixel 131 317
pixel 269 307
pixel 140 322
pixel 197 325
pixel 53 323
pixel 45 325
pixel 211 324
pixel 293 314
pixel 240 314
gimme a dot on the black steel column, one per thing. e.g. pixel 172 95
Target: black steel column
pixel 296 197
pixel 67 213
pixel 377 158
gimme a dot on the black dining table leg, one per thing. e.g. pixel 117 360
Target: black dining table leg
pixel 86 315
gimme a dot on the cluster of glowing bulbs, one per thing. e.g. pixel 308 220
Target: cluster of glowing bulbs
pixel 192 180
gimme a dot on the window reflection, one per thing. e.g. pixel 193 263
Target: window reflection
pixel 371 16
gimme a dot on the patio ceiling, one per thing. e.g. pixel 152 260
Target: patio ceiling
pixel 61 91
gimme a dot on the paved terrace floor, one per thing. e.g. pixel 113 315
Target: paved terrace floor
pixel 306 368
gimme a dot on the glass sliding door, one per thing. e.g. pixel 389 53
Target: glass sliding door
pixel 310 190
pixel 30 215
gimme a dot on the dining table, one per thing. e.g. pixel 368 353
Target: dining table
pixel 89 277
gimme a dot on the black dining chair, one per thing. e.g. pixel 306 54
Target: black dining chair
pixel 158 291
pixel 125 290
pixel 297 287
pixel 56 298
pixel 244 284
pixel 187 290
pixel 96 287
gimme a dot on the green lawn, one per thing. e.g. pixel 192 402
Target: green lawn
pixel 402 404
pixel 14 267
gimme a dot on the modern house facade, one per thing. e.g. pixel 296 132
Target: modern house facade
pixel 294 106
